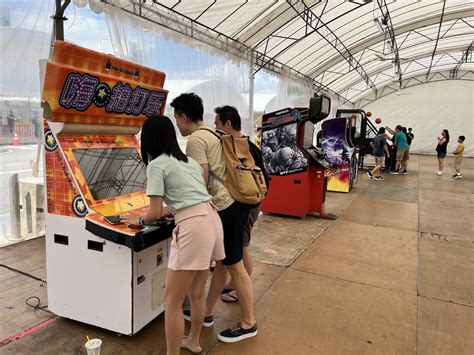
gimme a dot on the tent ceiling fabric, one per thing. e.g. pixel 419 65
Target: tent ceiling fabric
pixel 338 44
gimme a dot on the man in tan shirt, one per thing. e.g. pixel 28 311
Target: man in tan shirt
pixel 205 147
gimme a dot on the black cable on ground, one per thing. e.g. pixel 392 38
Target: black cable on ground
pixel 38 301
pixel 37 305
pixel 23 273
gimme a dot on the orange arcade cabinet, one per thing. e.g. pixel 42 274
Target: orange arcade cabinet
pixel 296 168
pixel 100 271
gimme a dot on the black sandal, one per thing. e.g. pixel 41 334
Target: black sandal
pixel 226 290
pixel 229 298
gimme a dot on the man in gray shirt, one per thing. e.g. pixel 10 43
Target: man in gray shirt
pixel 379 145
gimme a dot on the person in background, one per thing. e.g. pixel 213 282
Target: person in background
pixel 379 145
pixel 11 122
pixel 441 150
pixel 393 151
pixel 458 154
pixel 228 120
pixel 411 136
pixel 197 239
pixel 387 160
pixel 400 140
pixel 404 129
pixel 257 140
pixel 206 149
pixel 37 124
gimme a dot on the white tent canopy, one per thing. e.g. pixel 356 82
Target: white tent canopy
pixel 356 51
pixel 352 48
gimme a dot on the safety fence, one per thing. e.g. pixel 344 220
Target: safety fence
pixel 22 129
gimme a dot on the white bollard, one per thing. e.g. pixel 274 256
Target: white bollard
pixel 15 207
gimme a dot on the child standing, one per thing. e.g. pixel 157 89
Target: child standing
pixel 458 153
pixel 379 145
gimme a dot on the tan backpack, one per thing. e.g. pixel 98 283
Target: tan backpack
pixel 245 180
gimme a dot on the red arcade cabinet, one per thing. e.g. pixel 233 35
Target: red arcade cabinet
pixel 296 168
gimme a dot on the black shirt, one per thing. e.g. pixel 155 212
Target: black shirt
pixel 443 148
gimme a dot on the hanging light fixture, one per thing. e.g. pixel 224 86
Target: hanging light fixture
pixel 80 3
pixel 97 6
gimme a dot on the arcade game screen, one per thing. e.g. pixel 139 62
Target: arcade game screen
pixel 281 154
pixel 111 172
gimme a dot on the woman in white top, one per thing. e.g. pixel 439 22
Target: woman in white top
pixel 178 180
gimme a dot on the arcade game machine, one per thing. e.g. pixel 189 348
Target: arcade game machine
pixel 364 131
pixel 295 167
pixel 100 271
pixel 341 153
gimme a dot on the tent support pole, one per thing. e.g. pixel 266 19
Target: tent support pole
pixel 251 91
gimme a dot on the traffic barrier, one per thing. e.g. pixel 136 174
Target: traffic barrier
pixel 24 129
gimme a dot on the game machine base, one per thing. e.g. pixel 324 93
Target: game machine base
pixel 99 270
pixel 295 167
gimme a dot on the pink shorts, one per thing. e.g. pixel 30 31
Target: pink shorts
pixel 198 238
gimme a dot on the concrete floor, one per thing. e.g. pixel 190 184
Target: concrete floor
pixel 392 275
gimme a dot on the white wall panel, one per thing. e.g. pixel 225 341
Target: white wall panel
pixel 428 109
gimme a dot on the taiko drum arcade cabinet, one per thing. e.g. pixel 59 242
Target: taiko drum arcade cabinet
pixel 296 167
pixel 100 271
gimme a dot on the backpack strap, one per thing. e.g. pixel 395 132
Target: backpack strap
pixel 218 178
pixel 218 136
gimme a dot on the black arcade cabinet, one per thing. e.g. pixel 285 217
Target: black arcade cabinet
pixel 363 130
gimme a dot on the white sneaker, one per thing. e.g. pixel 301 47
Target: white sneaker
pixel 439 173
pixel 458 176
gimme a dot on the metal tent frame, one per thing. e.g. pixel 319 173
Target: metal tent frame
pixel 352 49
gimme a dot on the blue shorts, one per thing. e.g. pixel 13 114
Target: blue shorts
pixel 441 155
